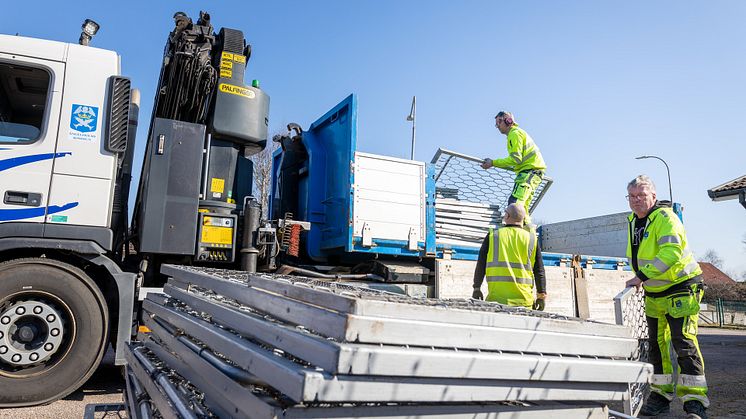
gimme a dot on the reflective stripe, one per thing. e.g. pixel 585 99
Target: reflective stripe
pixel 660 265
pixel 515 265
pixel 531 244
pixel 656 283
pixel 662 379
pixel 528 156
pixel 657 263
pixel 495 247
pixel 669 239
pixel 527 144
pixel 668 396
pixel 703 399
pixel 692 380
pixel 517 157
pixel 688 269
pixel 525 281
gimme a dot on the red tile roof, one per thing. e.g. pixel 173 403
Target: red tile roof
pixel 731 188
pixel 713 275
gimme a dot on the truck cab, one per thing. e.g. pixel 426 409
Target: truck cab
pixel 57 173
pixel 63 297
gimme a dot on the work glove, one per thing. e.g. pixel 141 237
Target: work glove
pixel 486 163
pixel 477 294
pixel 540 301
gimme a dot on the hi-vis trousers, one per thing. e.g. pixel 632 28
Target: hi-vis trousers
pixel 672 320
pixel 525 185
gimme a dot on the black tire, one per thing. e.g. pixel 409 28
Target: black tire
pixel 84 312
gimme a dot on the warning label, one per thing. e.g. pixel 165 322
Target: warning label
pixel 217 185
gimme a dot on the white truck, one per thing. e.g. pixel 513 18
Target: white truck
pixel 71 263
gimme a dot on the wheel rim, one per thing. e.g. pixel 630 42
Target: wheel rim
pixel 36 330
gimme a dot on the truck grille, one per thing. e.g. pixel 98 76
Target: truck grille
pixel 119 107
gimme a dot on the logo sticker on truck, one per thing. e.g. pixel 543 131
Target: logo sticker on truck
pixel 83 122
pixel 236 90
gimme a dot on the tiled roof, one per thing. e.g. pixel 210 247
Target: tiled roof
pixel 713 275
pixel 728 188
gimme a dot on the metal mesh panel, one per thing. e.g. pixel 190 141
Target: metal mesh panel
pixel 377 295
pixel 629 306
pixel 161 375
pixel 469 198
pixel 458 176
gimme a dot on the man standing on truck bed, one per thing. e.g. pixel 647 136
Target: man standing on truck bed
pixel 524 158
pixel 511 259
pixel 672 279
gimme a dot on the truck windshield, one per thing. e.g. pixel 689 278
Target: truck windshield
pixel 23 98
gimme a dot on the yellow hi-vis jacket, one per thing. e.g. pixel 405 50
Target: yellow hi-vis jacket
pixel 663 258
pixel 510 276
pixel 523 153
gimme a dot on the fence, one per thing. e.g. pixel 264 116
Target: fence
pixel 723 313
pixel 458 176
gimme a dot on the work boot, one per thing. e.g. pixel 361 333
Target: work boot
pixel 655 405
pixel 695 410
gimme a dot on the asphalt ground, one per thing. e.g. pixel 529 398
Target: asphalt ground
pixel 105 387
pixel 724 351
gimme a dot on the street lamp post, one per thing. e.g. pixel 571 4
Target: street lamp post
pixel 411 117
pixel 668 172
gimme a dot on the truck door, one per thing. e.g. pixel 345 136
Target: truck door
pixel 30 97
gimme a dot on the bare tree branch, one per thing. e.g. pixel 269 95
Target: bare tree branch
pixel 711 256
pixel 263 175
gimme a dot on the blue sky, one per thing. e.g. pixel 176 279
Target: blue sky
pixel 594 83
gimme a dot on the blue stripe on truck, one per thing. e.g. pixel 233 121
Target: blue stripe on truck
pixel 24 213
pixel 19 161
pixel 21 214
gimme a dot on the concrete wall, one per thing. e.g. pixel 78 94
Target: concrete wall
pixel 591 296
pixel 455 279
pixel 605 235
pixel 601 286
pixel 560 292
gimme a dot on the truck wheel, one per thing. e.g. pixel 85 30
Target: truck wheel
pixel 53 330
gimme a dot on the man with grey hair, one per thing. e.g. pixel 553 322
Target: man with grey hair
pixel 511 259
pixel 665 267
pixel 524 158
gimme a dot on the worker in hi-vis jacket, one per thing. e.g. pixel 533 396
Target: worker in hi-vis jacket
pixel 665 267
pixel 524 158
pixel 511 260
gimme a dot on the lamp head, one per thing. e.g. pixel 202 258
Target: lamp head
pixel 88 30
pixel 90 27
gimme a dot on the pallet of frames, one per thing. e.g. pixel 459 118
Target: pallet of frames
pixel 233 344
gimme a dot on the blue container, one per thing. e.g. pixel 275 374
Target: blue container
pixel 604 262
pixel 326 193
